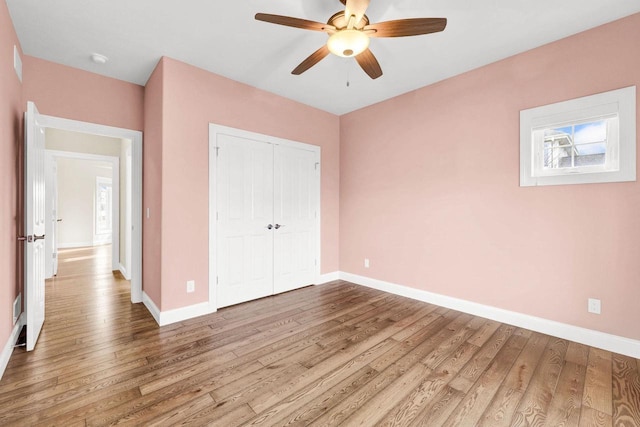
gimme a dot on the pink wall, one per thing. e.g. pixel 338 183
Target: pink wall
pixel 152 184
pixel 192 99
pixel 11 113
pixel 429 191
pixel 71 93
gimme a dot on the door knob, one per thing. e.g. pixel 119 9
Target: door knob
pixel 278 226
pixel 269 227
pixel 59 220
pixel 22 238
pixel 36 237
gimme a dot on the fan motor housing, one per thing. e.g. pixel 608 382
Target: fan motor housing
pixel 339 21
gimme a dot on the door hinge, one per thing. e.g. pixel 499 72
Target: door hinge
pixel 217 151
pixel 316 165
pixel 316 261
pixel 217 215
pixel 216 280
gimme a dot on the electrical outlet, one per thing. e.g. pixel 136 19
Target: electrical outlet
pixel 594 306
pixel 191 286
pixel 366 263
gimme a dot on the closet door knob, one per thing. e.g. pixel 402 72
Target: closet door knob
pixel 269 227
pixel 279 225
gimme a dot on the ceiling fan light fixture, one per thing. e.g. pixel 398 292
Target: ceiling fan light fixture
pixel 347 43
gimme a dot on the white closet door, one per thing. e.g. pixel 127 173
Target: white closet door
pixel 245 210
pixel 296 204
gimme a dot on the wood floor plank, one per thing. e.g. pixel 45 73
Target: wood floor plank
pixel 598 393
pixel 577 353
pixel 533 408
pixel 592 418
pixel 324 376
pixel 376 407
pixel 337 354
pixel 477 399
pixel 441 408
pixel 303 414
pixel 567 400
pixel 476 366
pixel 626 391
pixel 507 397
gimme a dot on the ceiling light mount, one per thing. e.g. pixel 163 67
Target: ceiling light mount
pixel 98 58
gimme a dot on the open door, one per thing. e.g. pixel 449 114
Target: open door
pixel 34 263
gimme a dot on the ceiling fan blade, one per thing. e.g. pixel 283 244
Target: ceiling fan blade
pixel 407 27
pixel 369 64
pixel 312 60
pixel 294 22
pixel 357 8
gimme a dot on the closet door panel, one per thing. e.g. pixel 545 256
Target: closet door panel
pixel 244 188
pixel 296 204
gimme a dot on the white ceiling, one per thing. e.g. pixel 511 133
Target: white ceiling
pixel 223 37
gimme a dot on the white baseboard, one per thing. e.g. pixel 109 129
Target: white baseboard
pixel 614 343
pixel 328 277
pixel 177 315
pixel 151 306
pixel 124 272
pixel 8 347
pixel 73 245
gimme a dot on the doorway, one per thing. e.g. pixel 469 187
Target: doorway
pixel 130 213
pixel 85 195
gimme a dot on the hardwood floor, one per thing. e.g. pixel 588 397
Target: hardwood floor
pixel 326 355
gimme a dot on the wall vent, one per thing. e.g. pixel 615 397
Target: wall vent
pixel 17 306
pixel 17 62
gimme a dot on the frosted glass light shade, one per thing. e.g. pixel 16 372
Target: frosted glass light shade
pixel 348 43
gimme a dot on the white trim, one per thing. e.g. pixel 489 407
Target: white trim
pixel 11 342
pixel 184 313
pixel 214 131
pixel 151 306
pixel 168 317
pixel 328 277
pixel 614 343
pixel 620 101
pixel 124 272
pixel 136 185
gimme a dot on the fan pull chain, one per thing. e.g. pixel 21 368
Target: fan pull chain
pixel 348 83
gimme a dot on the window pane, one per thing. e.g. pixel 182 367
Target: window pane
pixel 585 142
pixel 591 132
pixel 591 154
pixel 557 157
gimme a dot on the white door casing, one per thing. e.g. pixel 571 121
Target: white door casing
pixel 136 186
pixel 292 171
pixel 34 263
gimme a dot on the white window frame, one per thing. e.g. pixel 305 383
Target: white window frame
pixel 621 163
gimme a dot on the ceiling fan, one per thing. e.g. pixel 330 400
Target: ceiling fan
pixel 349 33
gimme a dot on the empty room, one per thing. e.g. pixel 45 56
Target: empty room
pixel 319 212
